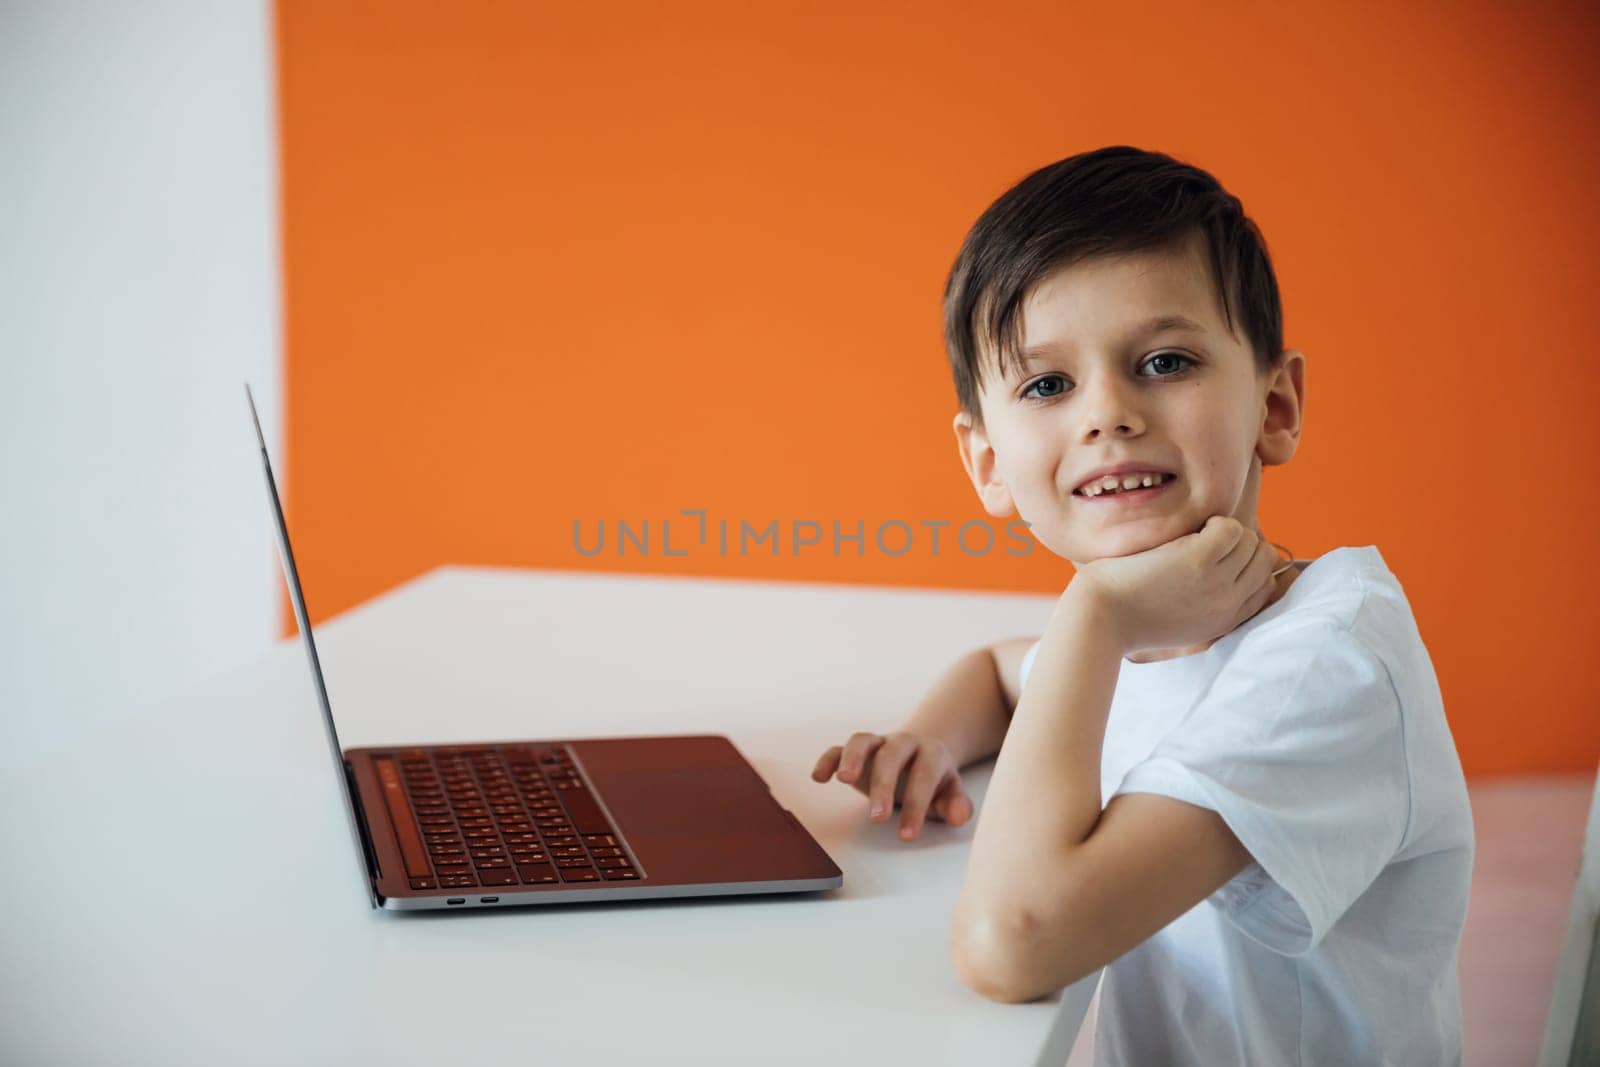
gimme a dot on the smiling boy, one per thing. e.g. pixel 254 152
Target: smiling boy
pixel 1223 776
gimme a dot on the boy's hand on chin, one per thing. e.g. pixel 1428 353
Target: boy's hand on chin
pixel 1189 591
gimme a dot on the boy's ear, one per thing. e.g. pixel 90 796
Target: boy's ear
pixel 1282 409
pixel 977 456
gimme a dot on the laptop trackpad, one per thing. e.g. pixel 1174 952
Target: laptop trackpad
pixel 693 802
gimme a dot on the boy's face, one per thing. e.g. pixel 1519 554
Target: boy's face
pixel 1097 390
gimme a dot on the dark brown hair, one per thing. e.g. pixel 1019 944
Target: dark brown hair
pixel 1111 201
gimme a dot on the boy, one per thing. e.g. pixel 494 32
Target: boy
pixel 1226 778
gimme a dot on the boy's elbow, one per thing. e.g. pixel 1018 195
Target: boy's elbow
pixel 1012 955
pixel 999 960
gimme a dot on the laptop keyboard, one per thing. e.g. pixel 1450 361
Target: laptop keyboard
pixel 498 817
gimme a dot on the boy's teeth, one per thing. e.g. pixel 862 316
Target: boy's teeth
pixel 1112 483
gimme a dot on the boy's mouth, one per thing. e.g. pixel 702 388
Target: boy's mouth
pixel 1101 492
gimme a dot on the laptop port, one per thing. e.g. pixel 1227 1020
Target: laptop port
pixel 488 900
pixel 456 900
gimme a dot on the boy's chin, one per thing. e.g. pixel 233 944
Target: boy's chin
pixel 1113 543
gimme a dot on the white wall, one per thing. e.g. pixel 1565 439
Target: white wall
pixel 138 291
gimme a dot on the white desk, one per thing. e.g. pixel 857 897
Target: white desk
pixel 181 889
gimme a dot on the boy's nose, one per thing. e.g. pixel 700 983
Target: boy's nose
pixel 1107 408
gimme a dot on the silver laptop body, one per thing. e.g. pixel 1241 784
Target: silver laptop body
pixel 556 821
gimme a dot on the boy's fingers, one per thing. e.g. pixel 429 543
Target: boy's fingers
pixel 886 767
pixel 956 806
pixel 857 751
pixel 950 801
pixel 825 766
pixel 921 781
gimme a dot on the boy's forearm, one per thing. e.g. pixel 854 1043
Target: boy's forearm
pixel 965 709
pixel 1044 797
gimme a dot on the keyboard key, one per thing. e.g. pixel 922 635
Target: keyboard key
pixel 584 875
pixel 423 883
pixel 600 839
pixel 596 851
pixel 536 873
pixel 505 877
pixel 456 881
pixel 572 861
pixel 612 861
pixel 616 875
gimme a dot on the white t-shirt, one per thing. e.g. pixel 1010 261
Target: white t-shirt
pixel 1316 730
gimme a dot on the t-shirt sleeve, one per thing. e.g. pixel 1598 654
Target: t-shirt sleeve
pixel 1298 745
pixel 1027 663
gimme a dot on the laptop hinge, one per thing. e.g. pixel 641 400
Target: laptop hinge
pixel 361 824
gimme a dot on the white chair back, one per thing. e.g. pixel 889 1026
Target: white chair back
pixel 1572 1029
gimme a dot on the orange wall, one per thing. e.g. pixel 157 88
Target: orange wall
pixel 548 263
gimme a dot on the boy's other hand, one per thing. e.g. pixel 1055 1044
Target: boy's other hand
pixel 1191 590
pixel 914 771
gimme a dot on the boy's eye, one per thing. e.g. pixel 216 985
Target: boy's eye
pixel 1047 386
pixel 1051 385
pixel 1171 357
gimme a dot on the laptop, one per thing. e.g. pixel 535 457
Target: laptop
pixel 556 820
